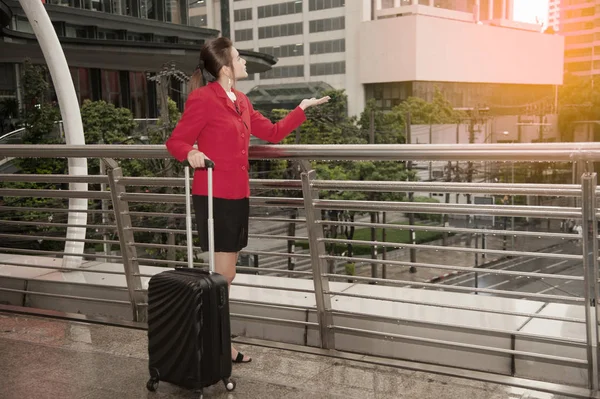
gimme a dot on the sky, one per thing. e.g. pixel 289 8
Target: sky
pixel 528 10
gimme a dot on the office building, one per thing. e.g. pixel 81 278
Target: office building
pixel 554 14
pixel 112 46
pixel 389 50
pixel 578 22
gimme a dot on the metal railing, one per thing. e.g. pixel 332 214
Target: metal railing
pixel 132 222
pixel 17 136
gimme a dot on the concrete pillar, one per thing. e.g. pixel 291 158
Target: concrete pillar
pixel 510 9
pixel 210 15
pixel 477 11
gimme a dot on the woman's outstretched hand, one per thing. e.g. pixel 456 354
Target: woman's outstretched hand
pixel 309 102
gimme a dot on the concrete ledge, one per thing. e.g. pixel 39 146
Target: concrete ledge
pixel 561 330
pixel 281 315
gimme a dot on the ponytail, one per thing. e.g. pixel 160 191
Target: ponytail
pixel 214 55
pixel 196 81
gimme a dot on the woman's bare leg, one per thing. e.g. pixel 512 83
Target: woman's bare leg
pixel 225 265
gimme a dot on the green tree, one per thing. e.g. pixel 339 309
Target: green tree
pixel 103 123
pixel 329 124
pixel 40 122
pixel 422 112
pixel 162 168
pixel 578 100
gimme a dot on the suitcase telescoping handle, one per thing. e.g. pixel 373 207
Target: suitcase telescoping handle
pixel 188 210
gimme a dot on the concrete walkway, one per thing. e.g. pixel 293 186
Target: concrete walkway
pixel 49 358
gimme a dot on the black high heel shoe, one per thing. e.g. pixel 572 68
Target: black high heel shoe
pixel 240 358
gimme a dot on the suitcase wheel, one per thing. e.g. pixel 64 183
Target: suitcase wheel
pixel 229 384
pixel 152 385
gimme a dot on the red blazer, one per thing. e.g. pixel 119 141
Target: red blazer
pixel 210 119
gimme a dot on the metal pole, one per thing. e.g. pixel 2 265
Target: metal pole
pixel 69 110
pixel 512 201
pixel 188 218
pixel 590 273
pixel 104 207
pixel 319 265
pixel 373 214
pixel 126 240
pixel 411 216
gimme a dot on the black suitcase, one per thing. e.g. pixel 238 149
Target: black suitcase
pixel 189 333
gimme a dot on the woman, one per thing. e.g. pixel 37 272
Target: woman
pixel 220 120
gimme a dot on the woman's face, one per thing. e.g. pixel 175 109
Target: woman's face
pixel 239 65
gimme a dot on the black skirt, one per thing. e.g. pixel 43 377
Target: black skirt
pixel 230 221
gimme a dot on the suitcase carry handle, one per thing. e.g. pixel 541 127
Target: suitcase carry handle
pixel 207 163
pixel 188 220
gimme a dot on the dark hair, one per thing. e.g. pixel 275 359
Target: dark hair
pixel 214 55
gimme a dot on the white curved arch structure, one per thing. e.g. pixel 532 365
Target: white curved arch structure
pixel 71 116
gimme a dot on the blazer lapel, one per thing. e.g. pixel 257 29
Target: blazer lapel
pixel 220 92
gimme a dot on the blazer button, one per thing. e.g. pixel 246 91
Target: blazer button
pixel 243 168
pixel 243 151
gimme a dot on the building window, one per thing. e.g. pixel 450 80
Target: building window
pixel 111 90
pixel 578 66
pixel 107 34
pixel 173 39
pixel 328 68
pixel 173 11
pixel 140 37
pixel 275 10
pixel 83 32
pixel 315 5
pixel 243 35
pixel 582 12
pixel 578 26
pixel 579 52
pixel 290 50
pixel 198 21
pixel 328 24
pixel 8 82
pixel 266 32
pixel 245 14
pixel 82 83
pixel 139 94
pixel 23 25
pixel 577 2
pixel 148 9
pixel 579 39
pixel 292 71
pixel 328 46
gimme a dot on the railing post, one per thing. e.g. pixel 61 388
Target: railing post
pixel 319 265
pixel 128 250
pixel 590 273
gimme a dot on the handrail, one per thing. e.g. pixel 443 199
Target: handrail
pixel 546 152
pixel 129 222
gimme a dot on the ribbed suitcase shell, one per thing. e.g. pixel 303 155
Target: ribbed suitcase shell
pixel 189 335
